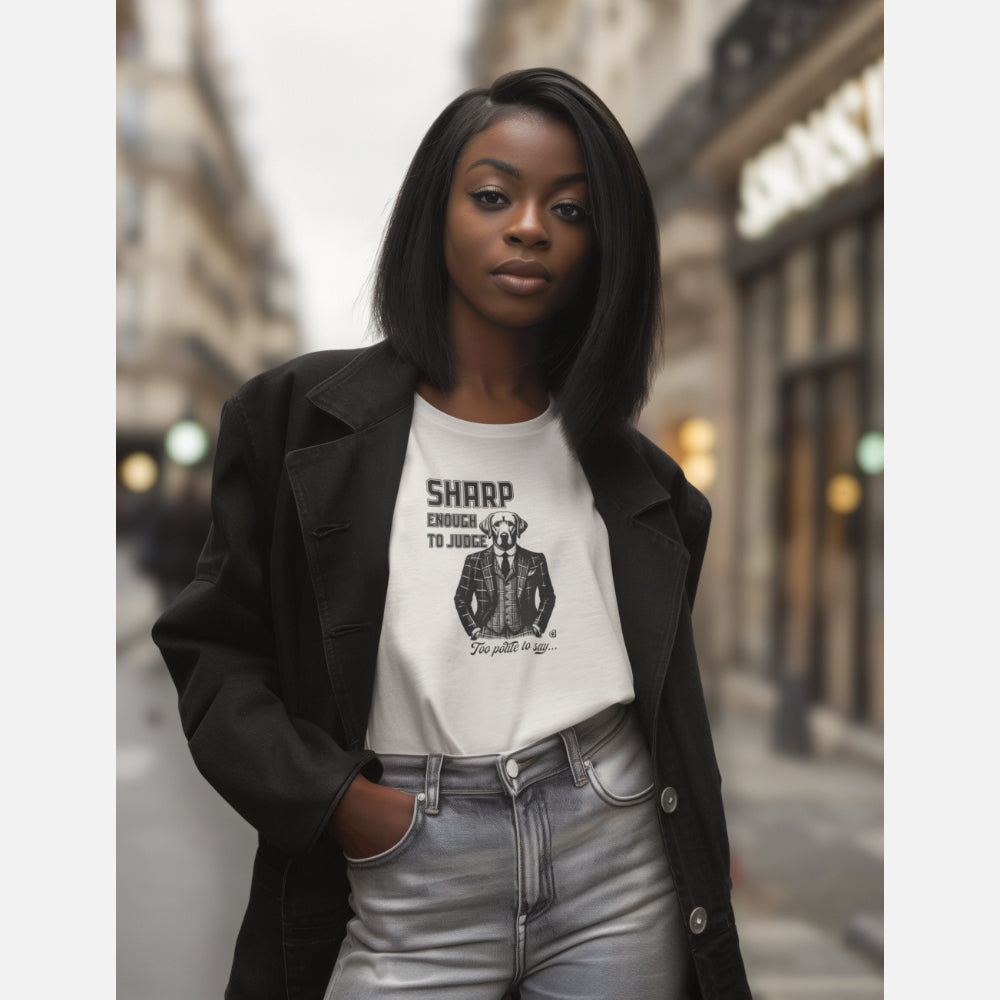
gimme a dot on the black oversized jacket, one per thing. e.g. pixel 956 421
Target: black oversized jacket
pixel 273 646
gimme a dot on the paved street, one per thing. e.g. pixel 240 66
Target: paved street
pixel 183 855
pixel 807 836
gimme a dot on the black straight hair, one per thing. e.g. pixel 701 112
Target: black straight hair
pixel 601 349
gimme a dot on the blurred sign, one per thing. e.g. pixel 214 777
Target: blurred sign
pixel 835 144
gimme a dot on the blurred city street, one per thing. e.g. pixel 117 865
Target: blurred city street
pixel 806 836
pixel 184 856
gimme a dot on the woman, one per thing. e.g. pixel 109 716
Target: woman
pixel 438 650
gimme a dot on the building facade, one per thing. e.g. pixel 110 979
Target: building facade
pixel 205 298
pixel 637 54
pixel 797 156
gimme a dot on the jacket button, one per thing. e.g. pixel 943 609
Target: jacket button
pixel 511 767
pixel 698 920
pixel 668 799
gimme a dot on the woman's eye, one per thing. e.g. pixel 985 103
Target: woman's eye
pixel 570 211
pixel 490 197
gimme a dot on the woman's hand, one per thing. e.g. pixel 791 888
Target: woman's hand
pixel 370 818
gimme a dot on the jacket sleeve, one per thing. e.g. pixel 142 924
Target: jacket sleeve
pixel 283 774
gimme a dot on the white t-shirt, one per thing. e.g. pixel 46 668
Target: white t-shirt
pixel 501 625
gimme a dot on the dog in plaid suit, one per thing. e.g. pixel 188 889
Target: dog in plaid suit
pixel 505 590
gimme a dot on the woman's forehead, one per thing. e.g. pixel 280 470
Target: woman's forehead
pixel 522 140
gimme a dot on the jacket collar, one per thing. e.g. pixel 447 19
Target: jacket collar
pixel 372 386
pixel 614 467
pixel 377 383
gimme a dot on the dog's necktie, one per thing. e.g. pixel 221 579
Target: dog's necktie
pixel 505 565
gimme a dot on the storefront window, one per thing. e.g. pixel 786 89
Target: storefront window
pixel 127 313
pixel 756 513
pixel 844 327
pixel 826 394
pixel 800 294
pixel 801 419
pixel 839 554
pixel 129 208
pixel 875 496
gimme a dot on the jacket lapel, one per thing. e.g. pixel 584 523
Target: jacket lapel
pixel 521 565
pixel 345 492
pixel 488 563
pixel 649 562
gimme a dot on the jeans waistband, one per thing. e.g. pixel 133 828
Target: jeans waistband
pixel 506 773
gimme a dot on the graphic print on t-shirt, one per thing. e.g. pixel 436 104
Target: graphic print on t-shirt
pixel 505 591
pixel 505 595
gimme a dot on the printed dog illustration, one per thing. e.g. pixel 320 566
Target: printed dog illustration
pixel 505 590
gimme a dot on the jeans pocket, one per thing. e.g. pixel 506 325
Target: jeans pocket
pixel 416 821
pixel 620 769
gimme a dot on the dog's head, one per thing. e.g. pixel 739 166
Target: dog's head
pixel 504 527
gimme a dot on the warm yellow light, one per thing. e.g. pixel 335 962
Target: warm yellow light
pixel 700 470
pixel 843 494
pixel 138 472
pixel 696 435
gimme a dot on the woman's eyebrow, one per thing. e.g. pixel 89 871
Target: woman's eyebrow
pixel 509 168
pixel 489 161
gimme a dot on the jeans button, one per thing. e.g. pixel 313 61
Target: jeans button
pixel 668 799
pixel 511 768
pixel 698 920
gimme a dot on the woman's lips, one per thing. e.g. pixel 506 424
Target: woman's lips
pixel 521 277
pixel 519 284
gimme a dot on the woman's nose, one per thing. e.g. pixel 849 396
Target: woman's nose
pixel 527 227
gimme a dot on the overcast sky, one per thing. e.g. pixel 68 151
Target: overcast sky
pixel 334 99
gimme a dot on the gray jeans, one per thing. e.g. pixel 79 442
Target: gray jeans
pixel 540 870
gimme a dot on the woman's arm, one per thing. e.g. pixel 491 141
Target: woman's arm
pixel 283 774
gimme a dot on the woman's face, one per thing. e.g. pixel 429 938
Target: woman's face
pixel 516 235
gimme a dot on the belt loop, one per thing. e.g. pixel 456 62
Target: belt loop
pixel 432 783
pixel 574 756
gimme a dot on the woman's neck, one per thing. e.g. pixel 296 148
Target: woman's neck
pixel 498 375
